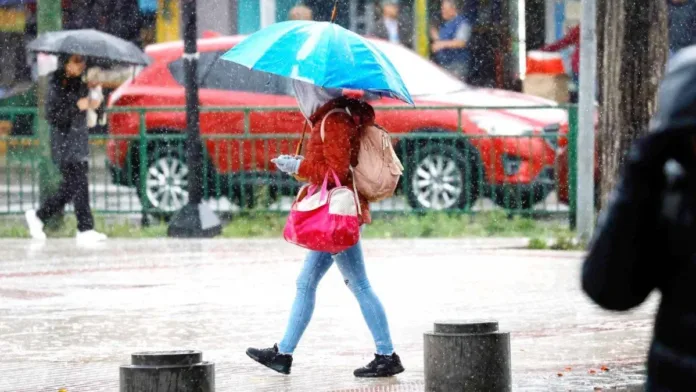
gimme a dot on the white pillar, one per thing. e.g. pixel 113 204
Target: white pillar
pixel 353 15
pixel 586 131
pixel 550 20
pixel 268 12
pixel 215 15
pixel 522 38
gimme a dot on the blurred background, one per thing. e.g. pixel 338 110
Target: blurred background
pixel 502 30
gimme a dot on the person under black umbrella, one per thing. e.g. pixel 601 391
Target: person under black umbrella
pixel 67 104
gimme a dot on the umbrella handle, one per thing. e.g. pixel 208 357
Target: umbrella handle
pixel 299 144
pixel 334 12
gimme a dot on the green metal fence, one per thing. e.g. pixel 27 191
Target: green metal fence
pixel 145 171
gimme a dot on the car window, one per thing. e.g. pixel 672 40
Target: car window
pixel 205 60
pixel 226 75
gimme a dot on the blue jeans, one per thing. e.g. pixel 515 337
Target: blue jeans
pixel 352 267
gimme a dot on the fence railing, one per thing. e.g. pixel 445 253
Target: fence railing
pixel 140 167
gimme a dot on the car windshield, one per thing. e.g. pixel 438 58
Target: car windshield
pixel 421 76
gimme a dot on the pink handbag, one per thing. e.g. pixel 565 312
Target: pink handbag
pixel 324 221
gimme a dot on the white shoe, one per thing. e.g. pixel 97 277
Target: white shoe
pixel 90 237
pixel 35 225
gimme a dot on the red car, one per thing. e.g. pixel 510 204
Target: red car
pixel 502 158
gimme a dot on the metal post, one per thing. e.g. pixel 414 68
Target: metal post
pixel 467 356
pixel 195 219
pixel 142 172
pixel 586 131
pixel 573 166
pixel 48 19
pixel 420 27
pixel 167 371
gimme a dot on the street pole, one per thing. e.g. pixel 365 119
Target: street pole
pixel 420 27
pixel 48 18
pixel 196 219
pixel 586 131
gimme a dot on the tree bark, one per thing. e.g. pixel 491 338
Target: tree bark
pixel 632 47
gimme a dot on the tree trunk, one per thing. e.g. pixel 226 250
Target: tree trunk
pixel 632 49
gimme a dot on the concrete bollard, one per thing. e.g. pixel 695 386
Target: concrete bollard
pixel 471 356
pixel 168 371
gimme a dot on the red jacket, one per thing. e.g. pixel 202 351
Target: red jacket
pixel 340 147
pixel 572 38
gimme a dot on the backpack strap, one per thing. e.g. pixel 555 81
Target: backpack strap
pixel 323 121
pixel 322 131
pixel 355 192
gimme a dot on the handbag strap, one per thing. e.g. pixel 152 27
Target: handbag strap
pixel 324 188
pixel 324 185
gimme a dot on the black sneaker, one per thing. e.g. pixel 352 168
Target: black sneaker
pixel 270 358
pixel 381 366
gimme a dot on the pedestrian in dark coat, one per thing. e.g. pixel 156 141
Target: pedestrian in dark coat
pixel 69 134
pixel 646 237
pixel 66 105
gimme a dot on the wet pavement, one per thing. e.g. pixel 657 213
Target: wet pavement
pixel 70 316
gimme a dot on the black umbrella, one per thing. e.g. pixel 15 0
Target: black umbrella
pixel 89 43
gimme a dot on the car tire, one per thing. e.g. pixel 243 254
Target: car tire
pixel 439 177
pixel 519 200
pixel 166 183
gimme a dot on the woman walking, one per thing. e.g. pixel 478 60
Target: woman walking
pixel 66 108
pixel 339 153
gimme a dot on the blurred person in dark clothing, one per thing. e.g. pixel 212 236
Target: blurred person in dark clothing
pixel 118 17
pixel 682 24
pixel 486 44
pixel 449 42
pixel 645 236
pixel 389 27
pixel 67 103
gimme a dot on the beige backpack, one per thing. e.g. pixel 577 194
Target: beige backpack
pixel 379 169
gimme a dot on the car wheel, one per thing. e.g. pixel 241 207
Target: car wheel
pixel 519 199
pixel 166 184
pixel 438 179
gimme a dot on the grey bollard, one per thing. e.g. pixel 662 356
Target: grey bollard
pixel 168 371
pixel 471 356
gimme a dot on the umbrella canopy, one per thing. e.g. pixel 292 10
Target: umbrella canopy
pixel 321 53
pixel 89 43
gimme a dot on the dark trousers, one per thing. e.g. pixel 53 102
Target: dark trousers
pixel 73 188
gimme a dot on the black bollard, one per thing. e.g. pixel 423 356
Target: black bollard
pixel 471 356
pixel 168 371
